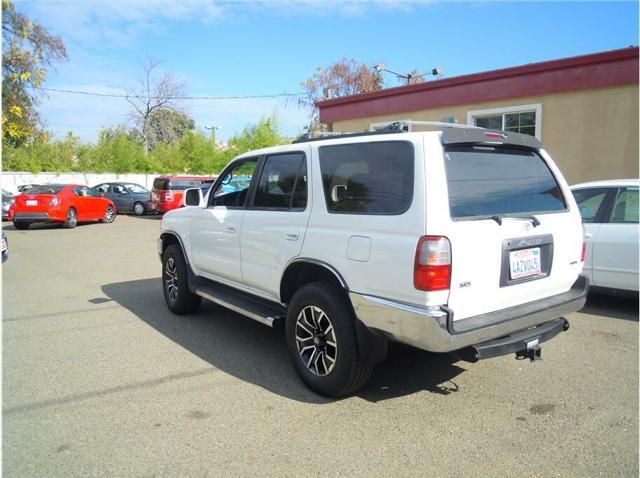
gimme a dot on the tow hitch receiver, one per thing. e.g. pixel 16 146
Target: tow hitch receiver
pixel 533 351
pixel 525 343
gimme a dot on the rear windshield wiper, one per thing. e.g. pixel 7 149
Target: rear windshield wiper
pixel 534 220
pixel 498 218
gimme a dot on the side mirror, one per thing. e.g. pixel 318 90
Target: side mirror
pixel 339 193
pixel 193 197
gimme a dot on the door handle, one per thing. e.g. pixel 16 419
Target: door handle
pixel 291 236
pixel 231 229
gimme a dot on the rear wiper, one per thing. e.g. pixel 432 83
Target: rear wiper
pixel 534 220
pixel 496 218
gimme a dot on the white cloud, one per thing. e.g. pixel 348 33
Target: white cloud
pixel 117 21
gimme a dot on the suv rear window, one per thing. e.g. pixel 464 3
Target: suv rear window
pixel 162 184
pixel 368 178
pixel 493 180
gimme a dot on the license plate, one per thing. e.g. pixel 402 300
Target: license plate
pixel 525 263
pixel 32 202
pixel 3 246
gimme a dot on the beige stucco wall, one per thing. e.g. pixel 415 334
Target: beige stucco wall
pixel 591 134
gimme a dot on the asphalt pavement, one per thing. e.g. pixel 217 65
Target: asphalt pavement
pixel 100 379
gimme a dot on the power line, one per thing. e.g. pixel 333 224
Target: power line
pixel 141 97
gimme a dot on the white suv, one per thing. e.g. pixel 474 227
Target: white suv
pixel 462 240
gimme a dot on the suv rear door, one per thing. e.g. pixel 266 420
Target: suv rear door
pixel 513 237
pixel 275 223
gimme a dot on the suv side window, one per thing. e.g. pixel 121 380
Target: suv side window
pixel 625 209
pixel 368 178
pixel 282 183
pixel 590 202
pixel 232 189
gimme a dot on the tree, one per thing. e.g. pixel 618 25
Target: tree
pixel 343 78
pixel 28 50
pixel 415 78
pixel 167 125
pixel 152 92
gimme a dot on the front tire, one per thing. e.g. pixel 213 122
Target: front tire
pixel 179 298
pixel 72 219
pixel 322 342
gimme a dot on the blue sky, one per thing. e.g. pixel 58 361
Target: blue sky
pixel 240 48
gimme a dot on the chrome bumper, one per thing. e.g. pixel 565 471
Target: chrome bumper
pixel 433 329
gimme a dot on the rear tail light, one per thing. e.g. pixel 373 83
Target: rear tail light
pixel 168 196
pixel 54 201
pixel 432 266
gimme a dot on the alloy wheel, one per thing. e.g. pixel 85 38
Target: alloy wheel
pixel 72 217
pixel 109 214
pixel 316 341
pixel 171 279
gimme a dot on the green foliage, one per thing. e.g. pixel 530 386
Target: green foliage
pixel 120 150
pixel 27 51
pixel 167 125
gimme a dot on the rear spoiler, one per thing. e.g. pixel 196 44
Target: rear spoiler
pixel 488 136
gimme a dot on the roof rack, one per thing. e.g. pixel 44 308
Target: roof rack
pixel 405 125
pixel 387 127
pixel 335 134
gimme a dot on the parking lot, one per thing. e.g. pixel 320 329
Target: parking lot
pixel 99 379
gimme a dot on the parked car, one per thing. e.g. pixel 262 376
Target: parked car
pixel 128 197
pixel 167 191
pixel 609 211
pixel 4 247
pixel 7 201
pixel 23 188
pixel 444 240
pixel 68 204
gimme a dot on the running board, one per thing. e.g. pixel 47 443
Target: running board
pixel 253 307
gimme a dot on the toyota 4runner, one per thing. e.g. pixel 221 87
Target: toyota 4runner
pixel 461 240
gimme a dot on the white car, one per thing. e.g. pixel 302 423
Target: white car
pixel 609 212
pixel 460 240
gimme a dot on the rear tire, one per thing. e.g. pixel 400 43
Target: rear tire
pixel 179 298
pixel 109 215
pixel 322 342
pixel 72 219
pixel 21 226
pixel 139 209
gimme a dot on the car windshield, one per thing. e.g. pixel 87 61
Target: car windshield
pixel 136 189
pixel 46 189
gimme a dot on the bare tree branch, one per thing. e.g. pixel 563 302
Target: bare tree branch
pixel 153 90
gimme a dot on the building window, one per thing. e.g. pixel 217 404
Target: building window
pixel 526 119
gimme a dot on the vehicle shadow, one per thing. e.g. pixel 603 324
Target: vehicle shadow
pixel 612 306
pixel 257 354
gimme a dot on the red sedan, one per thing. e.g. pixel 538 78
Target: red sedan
pixel 68 204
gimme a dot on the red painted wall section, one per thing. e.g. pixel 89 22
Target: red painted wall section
pixel 614 68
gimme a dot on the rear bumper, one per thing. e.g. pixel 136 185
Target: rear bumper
pixel 161 207
pixel 433 328
pixel 32 217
